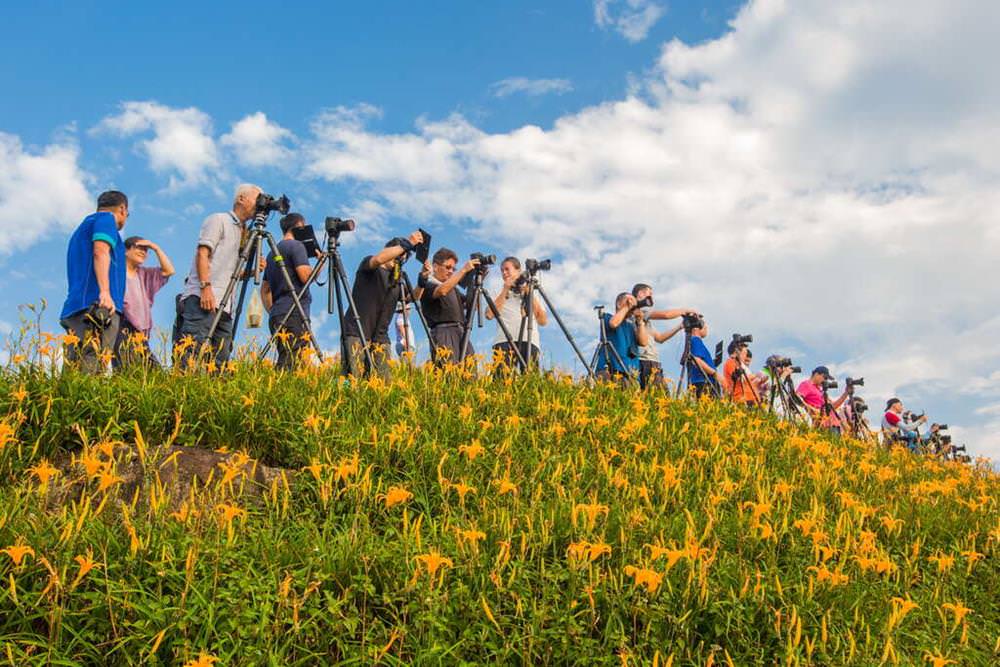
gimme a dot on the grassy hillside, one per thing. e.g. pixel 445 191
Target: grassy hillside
pixel 445 518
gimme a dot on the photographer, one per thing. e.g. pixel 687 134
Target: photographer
pixel 626 332
pixel 813 394
pixel 737 381
pixel 650 368
pixel 214 264
pixel 510 303
pixel 141 285
pixel 702 374
pixel 277 297
pixel 903 426
pixel 443 305
pixel 376 291
pixel 95 271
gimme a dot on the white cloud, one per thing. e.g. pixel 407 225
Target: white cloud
pixel 822 176
pixel 182 144
pixel 39 191
pixel 632 19
pixel 532 87
pixel 259 142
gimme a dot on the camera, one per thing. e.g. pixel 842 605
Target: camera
pixel 852 382
pixel 334 226
pixel 484 260
pixel 535 265
pixel 829 384
pixel 858 405
pixel 958 448
pixel 941 427
pixel 692 321
pixel 267 204
pixel 741 339
pixel 778 363
pixel 645 302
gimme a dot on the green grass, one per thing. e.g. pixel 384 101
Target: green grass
pixel 320 570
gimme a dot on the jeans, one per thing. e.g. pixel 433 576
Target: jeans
pixel 195 322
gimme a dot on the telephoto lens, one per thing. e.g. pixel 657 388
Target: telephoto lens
pixel 646 302
pixel 335 226
pixel 829 384
pixel 267 203
pixel 534 265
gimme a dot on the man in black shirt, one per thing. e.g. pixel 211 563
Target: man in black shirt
pixel 277 296
pixel 443 305
pixel 376 292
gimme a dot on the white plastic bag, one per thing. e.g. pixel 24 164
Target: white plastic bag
pixel 255 310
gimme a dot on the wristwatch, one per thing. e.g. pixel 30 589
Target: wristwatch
pixel 204 283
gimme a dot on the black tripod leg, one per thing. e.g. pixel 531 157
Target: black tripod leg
pixel 280 262
pixel 566 333
pixel 248 251
pixel 503 327
pixel 340 276
pixel 302 292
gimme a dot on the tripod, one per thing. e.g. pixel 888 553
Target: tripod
pixel 607 350
pixel 473 309
pixel 528 319
pixel 784 393
pixel 335 281
pixel 740 376
pixel 250 254
pixel 687 359
pixel 405 297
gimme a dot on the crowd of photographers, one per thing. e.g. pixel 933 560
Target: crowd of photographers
pixel 107 316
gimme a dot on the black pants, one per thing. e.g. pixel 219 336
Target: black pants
pixel 446 343
pixel 356 363
pixel 290 338
pixel 132 348
pixel 195 322
pixel 529 352
pixel 650 374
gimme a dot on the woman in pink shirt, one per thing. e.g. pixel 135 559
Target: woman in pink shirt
pixel 141 285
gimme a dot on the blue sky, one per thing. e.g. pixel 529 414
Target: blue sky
pixel 749 159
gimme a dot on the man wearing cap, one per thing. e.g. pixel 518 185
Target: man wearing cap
pixel 896 426
pixel 823 411
pixel 376 291
pixel 291 336
pixel 141 285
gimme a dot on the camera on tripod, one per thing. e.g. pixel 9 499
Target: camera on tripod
pixel 854 382
pixel 335 226
pixel 536 265
pixel 266 204
pixel 828 384
pixel 858 405
pixel 484 260
pixel 692 321
pixel 741 339
pixel 941 427
pixel 777 363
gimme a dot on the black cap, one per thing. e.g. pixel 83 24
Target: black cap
pixel 822 370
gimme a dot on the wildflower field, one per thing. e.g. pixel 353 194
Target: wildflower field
pixel 448 518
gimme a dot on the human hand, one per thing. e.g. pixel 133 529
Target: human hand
pixel 208 299
pixel 104 300
pixel 470 265
pixel 426 269
pixel 416 238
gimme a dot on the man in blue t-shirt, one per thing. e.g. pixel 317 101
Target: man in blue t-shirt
pixel 700 365
pixel 626 332
pixel 95 269
pixel 291 336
